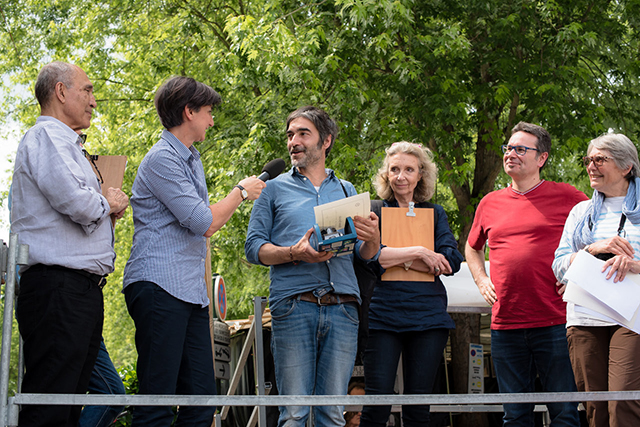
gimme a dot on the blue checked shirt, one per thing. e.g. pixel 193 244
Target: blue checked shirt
pixel 57 204
pixel 282 215
pixel 170 214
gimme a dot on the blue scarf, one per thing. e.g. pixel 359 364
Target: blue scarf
pixel 583 234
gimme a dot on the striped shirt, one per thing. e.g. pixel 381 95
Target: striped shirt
pixel 58 208
pixel 605 227
pixel 170 214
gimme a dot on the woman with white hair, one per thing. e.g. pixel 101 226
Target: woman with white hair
pixel 409 318
pixel 604 355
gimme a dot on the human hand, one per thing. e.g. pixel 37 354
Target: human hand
pixel 117 199
pixel 560 288
pixel 487 290
pixel 119 215
pixel 367 228
pixel 614 245
pixel 254 186
pixel 619 266
pixel 437 263
pixel 302 251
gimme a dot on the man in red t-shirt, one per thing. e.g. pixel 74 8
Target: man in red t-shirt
pixel 522 225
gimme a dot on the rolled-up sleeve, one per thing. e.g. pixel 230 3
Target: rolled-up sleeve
pixel 260 226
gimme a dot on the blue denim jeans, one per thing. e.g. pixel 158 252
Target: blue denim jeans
pixel 104 380
pixel 421 356
pixel 314 348
pixel 518 355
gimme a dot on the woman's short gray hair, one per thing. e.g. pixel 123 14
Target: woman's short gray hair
pixel 428 170
pixel 623 151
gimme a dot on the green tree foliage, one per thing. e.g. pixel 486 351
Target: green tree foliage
pixel 454 75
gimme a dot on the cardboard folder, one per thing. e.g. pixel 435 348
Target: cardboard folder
pixel 400 231
pixel 112 170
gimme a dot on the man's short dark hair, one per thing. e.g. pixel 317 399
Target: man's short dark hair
pixel 544 139
pixel 179 92
pixel 49 76
pixel 326 125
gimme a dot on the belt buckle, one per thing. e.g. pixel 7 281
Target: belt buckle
pixel 102 282
pixel 320 300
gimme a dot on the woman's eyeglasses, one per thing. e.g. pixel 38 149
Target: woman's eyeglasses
pixel 597 160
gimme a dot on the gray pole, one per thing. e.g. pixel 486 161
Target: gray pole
pixel 9 297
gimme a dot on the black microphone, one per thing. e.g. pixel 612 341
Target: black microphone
pixel 272 169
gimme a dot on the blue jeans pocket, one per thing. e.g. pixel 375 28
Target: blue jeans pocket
pixel 350 310
pixel 284 309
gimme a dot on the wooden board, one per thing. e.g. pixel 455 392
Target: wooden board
pixel 112 170
pixel 401 231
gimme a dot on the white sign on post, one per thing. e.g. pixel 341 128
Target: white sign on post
pixel 476 369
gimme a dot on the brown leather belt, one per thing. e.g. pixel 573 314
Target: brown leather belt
pixel 327 299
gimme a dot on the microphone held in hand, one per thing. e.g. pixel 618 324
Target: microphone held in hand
pixel 272 169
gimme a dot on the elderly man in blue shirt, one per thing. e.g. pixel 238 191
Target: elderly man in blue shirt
pixel 61 212
pixel 314 296
pixel 164 280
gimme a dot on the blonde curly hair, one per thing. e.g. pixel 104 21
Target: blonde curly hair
pixel 428 172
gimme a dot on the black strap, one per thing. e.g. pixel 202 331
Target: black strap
pixel 623 219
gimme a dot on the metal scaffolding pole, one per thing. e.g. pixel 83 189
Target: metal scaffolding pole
pixel 14 256
pixel 259 303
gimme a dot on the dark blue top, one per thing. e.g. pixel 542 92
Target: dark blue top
pixel 416 306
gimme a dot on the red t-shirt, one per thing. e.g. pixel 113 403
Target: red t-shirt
pixel 523 231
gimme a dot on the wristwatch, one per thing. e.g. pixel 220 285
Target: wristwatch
pixel 243 192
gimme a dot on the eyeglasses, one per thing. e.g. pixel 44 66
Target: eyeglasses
pixel 597 160
pixel 521 150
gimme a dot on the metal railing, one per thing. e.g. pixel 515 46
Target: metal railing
pixel 454 403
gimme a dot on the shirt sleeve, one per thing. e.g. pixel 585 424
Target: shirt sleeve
pixel 562 258
pixel 445 242
pixel 260 226
pixel 477 237
pixel 56 168
pixel 166 178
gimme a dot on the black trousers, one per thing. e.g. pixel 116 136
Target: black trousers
pixel 174 354
pixel 60 315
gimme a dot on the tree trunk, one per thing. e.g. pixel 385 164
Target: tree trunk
pixel 467 331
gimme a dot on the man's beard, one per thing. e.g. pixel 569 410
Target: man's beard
pixel 310 157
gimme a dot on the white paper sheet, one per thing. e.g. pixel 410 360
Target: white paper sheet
pixel 334 214
pixel 622 297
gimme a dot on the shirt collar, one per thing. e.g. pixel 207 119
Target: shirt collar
pixel 70 133
pixel 522 193
pixel 330 173
pixel 180 148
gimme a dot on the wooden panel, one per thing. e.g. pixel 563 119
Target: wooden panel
pixel 112 170
pixel 400 231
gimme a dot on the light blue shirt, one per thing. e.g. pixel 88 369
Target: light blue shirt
pixel 281 216
pixel 57 204
pixel 170 214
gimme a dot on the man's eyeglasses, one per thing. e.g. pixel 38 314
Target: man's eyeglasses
pixel 521 150
pixel 597 160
